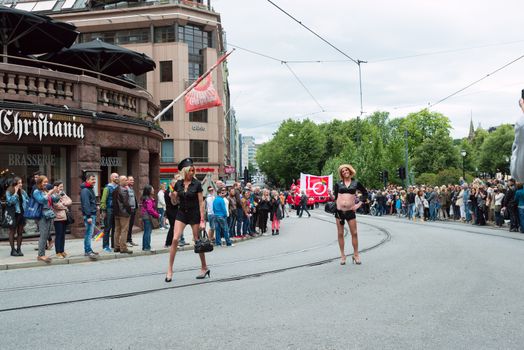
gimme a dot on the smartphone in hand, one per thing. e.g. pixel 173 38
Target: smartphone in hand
pixel 522 94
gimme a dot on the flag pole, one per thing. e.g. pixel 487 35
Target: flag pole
pixel 220 60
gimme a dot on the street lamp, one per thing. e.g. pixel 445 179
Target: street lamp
pixel 463 154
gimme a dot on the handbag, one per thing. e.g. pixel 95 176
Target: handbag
pixel 8 217
pixel 33 210
pixel 330 207
pixel 203 244
pixel 70 219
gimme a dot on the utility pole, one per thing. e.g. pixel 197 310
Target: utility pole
pixel 406 156
pixel 361 105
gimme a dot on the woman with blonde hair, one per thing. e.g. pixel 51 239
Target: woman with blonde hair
pixel 345 192
pixel 188 193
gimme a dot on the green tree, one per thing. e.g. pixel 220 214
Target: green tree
pixel 435 153
pixel 495 148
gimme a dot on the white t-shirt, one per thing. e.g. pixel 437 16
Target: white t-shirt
pixel 209 204
pixel 517 151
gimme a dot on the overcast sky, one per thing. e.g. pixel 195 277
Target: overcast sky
pixel 450 43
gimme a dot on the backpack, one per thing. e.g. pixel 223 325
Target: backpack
pixel 33 210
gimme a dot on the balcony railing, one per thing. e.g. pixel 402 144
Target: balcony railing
pixel 49 87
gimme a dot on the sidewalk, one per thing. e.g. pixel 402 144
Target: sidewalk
pixel 74 247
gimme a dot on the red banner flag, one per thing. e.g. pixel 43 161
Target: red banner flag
pixel 202 96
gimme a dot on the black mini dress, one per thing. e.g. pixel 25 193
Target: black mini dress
pixel 189 208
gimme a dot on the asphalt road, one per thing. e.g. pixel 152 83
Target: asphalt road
pixel 421 286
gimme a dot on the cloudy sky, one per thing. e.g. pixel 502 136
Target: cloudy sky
pixel 418 52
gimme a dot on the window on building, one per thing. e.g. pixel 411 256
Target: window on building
pixel 198 116
pixel 196 40
pixel 198 150
pixel 119 37
pixel 167 154
pixel 165 34
pixel 133 36
pixel 168 116
pixel 166 71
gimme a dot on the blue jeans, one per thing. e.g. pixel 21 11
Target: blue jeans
pixel 246 225
pixel 89 232
pixel 410 210
pixel 432 211
pixel 60 229
pixel 109 228
pixel 221 228
pixel 146 238
pixel 240 221
pixel 161 211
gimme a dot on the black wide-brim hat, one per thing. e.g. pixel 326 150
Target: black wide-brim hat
pixel 185 163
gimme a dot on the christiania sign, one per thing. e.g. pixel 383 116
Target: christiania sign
pixel 38 124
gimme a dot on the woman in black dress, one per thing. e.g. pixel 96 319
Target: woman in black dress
pixel 188 193
pixel 345 195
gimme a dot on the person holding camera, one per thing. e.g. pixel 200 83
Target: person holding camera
pixel 45 198
pixel 61 207
pixel 345 195
pixel 18 198
pixel 189 193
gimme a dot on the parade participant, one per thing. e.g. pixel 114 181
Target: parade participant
pixel 345 193
pixel 148 211
pixel 133 202
pixel 210 216
pixel 517 150
pixel 43 196
pixel 188 191
pixel 220 213
pixel 161 206
pixel 121 212
pixel 88 204
pixel 106 207
pixel 61 207
pixel 17 197
pixel 276 212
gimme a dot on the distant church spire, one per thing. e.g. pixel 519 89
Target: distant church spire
pixel 471 128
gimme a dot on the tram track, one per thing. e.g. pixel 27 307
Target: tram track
pixel 385 239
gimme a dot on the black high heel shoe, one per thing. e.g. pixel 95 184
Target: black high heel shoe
pixel 169 279
pixel 202 276
pixel 356 260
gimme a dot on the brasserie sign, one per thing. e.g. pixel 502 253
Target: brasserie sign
pixel 40 125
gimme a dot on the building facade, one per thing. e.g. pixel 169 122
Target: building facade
pixel 184 38
pixel 64 125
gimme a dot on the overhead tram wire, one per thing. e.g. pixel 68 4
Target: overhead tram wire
pixel 304 86
pixel 476 81
pixel 286 64
pixel 358 62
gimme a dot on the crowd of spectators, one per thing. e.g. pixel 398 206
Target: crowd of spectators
pixel 481 202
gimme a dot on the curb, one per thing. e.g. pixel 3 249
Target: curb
pixel 103 257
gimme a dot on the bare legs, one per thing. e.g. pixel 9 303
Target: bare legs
pixel 179 229
pixel 354 240
pixel 340 232
pixel 203 266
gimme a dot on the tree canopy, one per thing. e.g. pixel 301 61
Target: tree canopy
pixel 376 143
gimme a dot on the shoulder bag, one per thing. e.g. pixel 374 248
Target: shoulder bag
pixel 330 207
pixel 203 244
pixel 8 217
pixel 33 209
